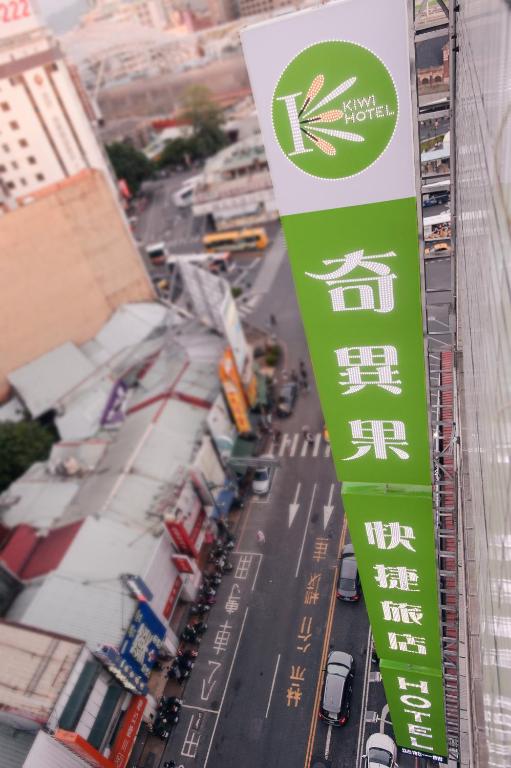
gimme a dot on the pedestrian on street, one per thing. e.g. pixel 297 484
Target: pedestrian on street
pixel 261 538
pixel 273 320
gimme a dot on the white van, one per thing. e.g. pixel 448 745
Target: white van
pixel 183 197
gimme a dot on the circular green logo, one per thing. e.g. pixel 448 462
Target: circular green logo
pixel 334 109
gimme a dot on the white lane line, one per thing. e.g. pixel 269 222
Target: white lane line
pixel 284 443
pixel 327 744
pixel 328 508
pixel 226 686
pixel 201 709
pixel 328 451
pixel 317 443
pixel 365 693
pixel 257 570
pixel 294 445
pixel 304 449
pixel 273 685
pixel 305 529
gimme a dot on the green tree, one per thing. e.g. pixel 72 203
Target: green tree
pixel 177 152
pixel 21 444
pixel 129 164
pixel 206 119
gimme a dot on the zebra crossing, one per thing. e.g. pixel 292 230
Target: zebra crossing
pixel 294 446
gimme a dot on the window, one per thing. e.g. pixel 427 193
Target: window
pixel 5 148
pixel 39 176
pixel 14 125
pixel 23 143
pixel 23 182
pixel 4 106
pixel 31 160
pixel 14 165
pixel 2 169
pixel 11 185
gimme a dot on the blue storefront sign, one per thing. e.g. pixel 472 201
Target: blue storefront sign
pixel 133 662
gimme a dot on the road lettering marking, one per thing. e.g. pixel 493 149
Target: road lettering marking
pixel 226 687
pixel 273 684
pixel 200 709
pixel 305 529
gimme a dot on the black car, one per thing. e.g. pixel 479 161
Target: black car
pixel 348 585
pixel 287 398
pixel 337 688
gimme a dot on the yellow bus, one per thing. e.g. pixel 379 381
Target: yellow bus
pixel 239 240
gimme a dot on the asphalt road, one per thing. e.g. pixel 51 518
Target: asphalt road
pixel 252 699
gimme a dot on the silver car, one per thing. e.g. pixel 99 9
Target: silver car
pixel 337 688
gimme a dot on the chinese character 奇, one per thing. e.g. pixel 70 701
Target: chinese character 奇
pixel 373 293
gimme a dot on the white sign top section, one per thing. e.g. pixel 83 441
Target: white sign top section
pixel 16 17
pixel 381 28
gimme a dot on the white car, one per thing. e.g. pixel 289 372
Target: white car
pixel 261 481
pixel 381 751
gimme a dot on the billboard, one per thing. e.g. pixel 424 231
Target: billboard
pixel 233 391
pixel 391 530
pixel 336 118
pixel 333 96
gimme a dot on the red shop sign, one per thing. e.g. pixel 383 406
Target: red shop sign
pixel 125 739
pixel 169 605
pixel 182 563
pixel 180 537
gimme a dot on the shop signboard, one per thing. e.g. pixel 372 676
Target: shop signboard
pixel 142 642
pixel 333 96
pixel 128 731
pixel 82 749
pixel 180 537
pixel 233 391
pixel 183 563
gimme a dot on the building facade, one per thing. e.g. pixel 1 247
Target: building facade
pixel 483 243
pixel 45 132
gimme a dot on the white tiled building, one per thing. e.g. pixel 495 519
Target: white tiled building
pixel 45 133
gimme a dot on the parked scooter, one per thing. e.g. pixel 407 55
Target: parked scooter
pixel 190 654
pixel 200 627
pixel 199 609
pixel 177 673
pixel 189 635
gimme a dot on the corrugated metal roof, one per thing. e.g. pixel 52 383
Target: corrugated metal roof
pixel 19 547
pixel 49 551
pixel 14 746
pixel 37 503
pixel 44 381
pixel 200 380
pixel 48 753
pixel 81 417
pixel 86 453
pixel 131 324
pixel 35 669
pixel 86 597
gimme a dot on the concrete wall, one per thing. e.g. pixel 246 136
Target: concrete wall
pixel 161 95
pixel 67 261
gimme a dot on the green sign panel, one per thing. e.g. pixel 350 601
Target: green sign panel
pixel 392 530
pixel 335 109
pixel 416 702
pixel 356 272
pixel 332 89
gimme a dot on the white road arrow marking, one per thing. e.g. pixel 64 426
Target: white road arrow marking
pixel 328 508
pixel 294 506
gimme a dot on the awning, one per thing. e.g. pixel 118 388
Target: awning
pixel 223 502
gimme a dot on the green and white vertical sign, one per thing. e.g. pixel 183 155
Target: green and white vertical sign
pixel 332 90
